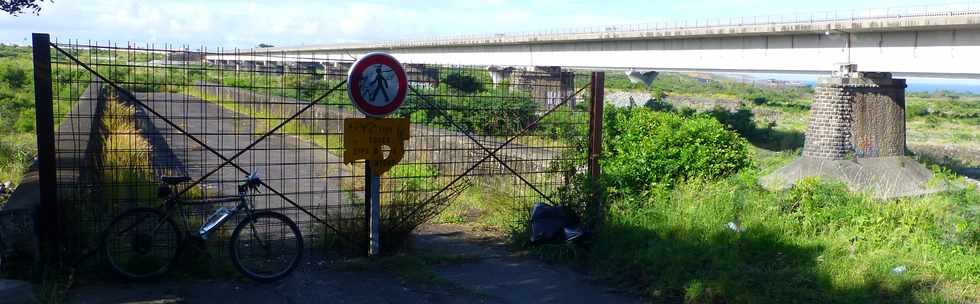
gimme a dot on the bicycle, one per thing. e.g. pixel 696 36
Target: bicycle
pixel 143 243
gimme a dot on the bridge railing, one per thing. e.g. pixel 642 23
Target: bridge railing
pixel 803 17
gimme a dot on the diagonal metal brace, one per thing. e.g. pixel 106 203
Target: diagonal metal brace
pixel 131 98
pixel 492 153
pixel 261 138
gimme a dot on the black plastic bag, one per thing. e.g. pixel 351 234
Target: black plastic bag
pixel 553 224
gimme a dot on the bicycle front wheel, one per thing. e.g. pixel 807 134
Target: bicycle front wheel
pixel 141 243
pixel 266 246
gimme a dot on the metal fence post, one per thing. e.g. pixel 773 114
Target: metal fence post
pixel 47 170
pixel 595 123
pixel 368 181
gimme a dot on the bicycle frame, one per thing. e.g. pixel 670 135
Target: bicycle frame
pixel 245 201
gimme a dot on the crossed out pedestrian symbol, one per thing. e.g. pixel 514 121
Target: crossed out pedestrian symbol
pixel 378 84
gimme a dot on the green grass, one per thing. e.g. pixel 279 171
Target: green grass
pixel 814 243
pixel 16 152
pixel 482 206
pixel 17 121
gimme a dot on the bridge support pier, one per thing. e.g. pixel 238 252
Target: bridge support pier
pixel 856 134
pixel 644 77
pixel 498 74
pixel 549 85
pixel 422 76
pixel 335 70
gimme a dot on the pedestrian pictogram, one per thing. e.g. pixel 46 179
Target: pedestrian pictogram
pixel 377 84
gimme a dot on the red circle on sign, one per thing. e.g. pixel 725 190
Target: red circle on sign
pixel 354 84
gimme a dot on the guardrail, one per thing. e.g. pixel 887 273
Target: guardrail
pixel 812 17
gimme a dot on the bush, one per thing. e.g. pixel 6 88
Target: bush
pixel 659 105
pixel 739 121
pixel 472 113
pixel 652 148
pixel 464 83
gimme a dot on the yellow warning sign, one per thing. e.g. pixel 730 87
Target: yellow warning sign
pixel 364 138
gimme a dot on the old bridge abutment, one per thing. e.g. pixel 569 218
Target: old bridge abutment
pixel 856 134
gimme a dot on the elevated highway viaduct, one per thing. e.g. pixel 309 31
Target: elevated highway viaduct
pixel 856 132
pixel 926 43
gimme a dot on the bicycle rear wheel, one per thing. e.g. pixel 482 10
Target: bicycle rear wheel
pixel 141 243
pixel 266 246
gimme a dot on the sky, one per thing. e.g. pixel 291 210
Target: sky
pixel 230 24
pixel 243 24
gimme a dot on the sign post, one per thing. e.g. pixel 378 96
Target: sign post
pixel 377 85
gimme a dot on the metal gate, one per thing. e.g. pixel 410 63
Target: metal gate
pixel 112 119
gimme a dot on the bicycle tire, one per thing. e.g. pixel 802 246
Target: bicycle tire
pixel 236 246
pixel 168 232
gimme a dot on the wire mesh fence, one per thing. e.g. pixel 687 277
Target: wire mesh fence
pixel 126 115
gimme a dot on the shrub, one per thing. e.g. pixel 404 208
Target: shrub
pixel 464 83
pixel 659 105
pixel 739 121
pixel 653 148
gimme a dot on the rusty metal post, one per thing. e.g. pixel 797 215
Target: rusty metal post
pixel 47 170
pixel 595 123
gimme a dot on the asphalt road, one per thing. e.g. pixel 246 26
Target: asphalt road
pixel 292 166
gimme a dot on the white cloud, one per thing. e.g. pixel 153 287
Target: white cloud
pixel 293 22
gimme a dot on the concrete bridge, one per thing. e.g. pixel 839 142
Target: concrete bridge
pixel 920 42
pixel 857 128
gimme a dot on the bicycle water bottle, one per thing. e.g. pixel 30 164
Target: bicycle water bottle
pixel 220 216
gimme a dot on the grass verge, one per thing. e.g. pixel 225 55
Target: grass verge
pixel 730 241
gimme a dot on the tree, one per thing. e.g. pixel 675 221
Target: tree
pixel 15 7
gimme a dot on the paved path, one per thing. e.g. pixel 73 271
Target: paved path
pixel 508 277
pixel 313 282
pixel 288 164
pixel 487 274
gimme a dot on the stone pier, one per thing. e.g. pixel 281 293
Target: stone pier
pixel 548 85
pixel 856 134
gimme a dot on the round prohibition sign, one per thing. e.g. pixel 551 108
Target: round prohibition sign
pixel 377 84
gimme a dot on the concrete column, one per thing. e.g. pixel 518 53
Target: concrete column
pixel 856 134
pixel 548 86
pixel 498 74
